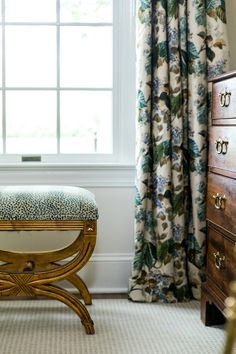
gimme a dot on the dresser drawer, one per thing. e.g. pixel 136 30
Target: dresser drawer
pixel 215 252
pixel 222 147
pixel 230 257
pixel 220 259
pixel 224 99
pixel 221 201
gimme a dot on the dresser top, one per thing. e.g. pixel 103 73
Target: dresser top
pixel 227 75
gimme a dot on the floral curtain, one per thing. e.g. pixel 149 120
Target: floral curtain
pixel 181 44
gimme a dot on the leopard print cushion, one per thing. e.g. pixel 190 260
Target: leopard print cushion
pixel 47 203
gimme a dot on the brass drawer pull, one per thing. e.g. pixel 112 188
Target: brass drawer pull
pixel 225 143
pixel 222 146
pixel 219 260
pixel 219 201
pixel 218 143
pixel 225 98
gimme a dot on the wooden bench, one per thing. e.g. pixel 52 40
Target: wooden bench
pixel 55 208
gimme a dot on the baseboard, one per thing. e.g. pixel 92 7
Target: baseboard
pixel 106 273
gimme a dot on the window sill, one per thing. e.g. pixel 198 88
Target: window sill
pixel 84 175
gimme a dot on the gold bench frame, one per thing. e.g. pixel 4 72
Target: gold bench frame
pixel 33 273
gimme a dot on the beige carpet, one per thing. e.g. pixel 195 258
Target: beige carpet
pixel 122 327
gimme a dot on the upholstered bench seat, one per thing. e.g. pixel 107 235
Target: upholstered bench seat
pixel 47 203
pixel 52 208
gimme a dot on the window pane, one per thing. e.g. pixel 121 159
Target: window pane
pixel 86 57
pixel 30 56
pixel 86 122
pixel 30 10
pixel 31 122
pixel 86 10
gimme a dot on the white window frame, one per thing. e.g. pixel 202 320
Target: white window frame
pixel 123 101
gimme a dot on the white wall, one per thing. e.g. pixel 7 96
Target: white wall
pixel 109 268
pixel 231 26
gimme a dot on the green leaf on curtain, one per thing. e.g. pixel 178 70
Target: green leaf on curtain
pixel 194 250
pixel 192 51
pixel 140 215
pixel 181 293
pixel 210 54
pixel 166 98
pixel 163 3
pixel 193 149
pixel 178 203
pixel 138 260
pixel 148 64
pixel 202 34
pixel 144 5
pixel 141 100
pixel 162 50
pixel 173 6
pixel 167 194
pixel 201 213
pixel 202 115
pixel 176 103
pixel 161 150
pixel 140 236
pixel 164 248
pixel 184 59
pixel 141 16
pixel 145 256
pixel 211 4
pixel 147 164
pixel 203 133
pixel 138 200
pixel 200 17
pixel 220 11
pixel 201 188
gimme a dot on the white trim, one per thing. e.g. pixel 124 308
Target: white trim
pixel 111 257
pixel 127 77
pixel 102 290
pixel 75 175
pixel 107 258
pixel 107 273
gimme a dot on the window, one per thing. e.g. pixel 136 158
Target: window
pixel 67 80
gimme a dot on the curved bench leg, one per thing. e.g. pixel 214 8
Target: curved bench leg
pixel 81 286
pixel 78 283
pixel 71 301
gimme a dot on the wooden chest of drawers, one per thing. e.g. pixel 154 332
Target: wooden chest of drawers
pixel 221 200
